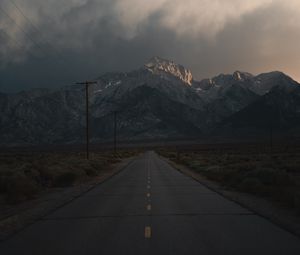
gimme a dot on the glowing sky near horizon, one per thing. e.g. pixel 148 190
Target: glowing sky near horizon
pixel 80 39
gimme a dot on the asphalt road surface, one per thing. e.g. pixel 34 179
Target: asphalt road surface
pixel 150 208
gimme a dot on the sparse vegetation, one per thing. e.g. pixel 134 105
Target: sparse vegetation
pixel 275 175
pixel 22 176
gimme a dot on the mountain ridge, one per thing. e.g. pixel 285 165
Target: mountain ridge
pixel 159 100
pixel 165 67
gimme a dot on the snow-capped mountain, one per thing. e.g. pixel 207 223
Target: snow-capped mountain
pixel 227 94
pixel 210 89
pixel 159 100
pixel 168 70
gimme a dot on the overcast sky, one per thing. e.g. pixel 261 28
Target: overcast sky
pixel 60 42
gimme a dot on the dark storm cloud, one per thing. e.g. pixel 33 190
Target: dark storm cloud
pixel 80 39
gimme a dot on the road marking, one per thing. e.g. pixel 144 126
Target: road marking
pixel 148 232
pixel 148 194
pixel 149 207
pixel 148 186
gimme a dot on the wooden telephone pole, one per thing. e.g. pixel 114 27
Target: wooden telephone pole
pixel 115 133
pixel 87 83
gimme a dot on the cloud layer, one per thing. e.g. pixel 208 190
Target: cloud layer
pixel 77 39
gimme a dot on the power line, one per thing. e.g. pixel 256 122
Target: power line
pixel 21 29
pixel 16 42
pixel 27 35
pixel 24 16
pixel 32 24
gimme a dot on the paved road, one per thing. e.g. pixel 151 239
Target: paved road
pixel 150 208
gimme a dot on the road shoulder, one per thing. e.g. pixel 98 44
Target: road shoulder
pixel 279 216
pixel 29 212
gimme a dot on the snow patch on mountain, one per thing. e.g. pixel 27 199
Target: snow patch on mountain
pixel 111 83
pixel 242 76
pixel 165 68
pixel 217 86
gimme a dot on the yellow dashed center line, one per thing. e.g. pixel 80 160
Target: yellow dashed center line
pixel 149 207
pixel 148 232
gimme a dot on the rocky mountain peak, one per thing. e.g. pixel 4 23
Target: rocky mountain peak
pixel 242 76
pixel 167 68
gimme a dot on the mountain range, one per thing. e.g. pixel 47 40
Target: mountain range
pixel 159 100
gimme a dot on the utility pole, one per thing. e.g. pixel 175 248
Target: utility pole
pixel 271 138
pixel 115 132
pixel 87 83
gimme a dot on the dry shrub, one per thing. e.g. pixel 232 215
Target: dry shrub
pixel 195 164
pixel 23 175
pixel 296 201
pixel 251 185
pixel 65 179
pixel 270 176
pixel 20 188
